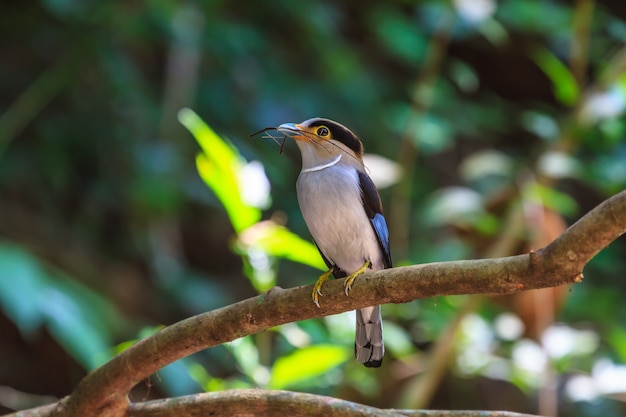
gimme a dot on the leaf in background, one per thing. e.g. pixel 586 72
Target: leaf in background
pixel 559 165
pixel 278 241
pixel 72 326
pixel 463 75
pixel 305 364
pixel 452 205
pixel 246 354
pixel 430 133
pixel 399 34
pixel 540 124
pixel 265 241
pixel 76 317
pixel 219 166
pixel 383 171
pixel 563 82
pixel 475 12
pixel 142 334
pixel 607 103
pixel 609 171
pixel 534 16
pixel 176 378
pixel 21 282
pixel 617 340
pixel 486 163
pixel 552 199
pixel 398 340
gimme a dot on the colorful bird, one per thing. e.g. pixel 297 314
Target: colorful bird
pixel 342 209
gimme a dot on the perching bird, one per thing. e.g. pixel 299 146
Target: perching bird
pixel 343 212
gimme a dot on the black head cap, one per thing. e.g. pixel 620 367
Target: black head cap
pixel 339 133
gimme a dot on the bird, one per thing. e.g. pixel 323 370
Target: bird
pixel 343 212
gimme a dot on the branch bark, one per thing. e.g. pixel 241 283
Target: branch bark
pixel 104 391
pixel 255 402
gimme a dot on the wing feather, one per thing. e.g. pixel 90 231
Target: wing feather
pixel 374 210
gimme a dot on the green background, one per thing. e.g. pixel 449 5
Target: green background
pixel 120 213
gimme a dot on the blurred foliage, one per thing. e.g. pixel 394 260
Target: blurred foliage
pixel 32 297
pixel 504 118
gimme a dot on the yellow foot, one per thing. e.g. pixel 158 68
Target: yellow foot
pixel 353 276
pixel 317 288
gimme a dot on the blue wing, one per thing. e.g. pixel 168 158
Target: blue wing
pixel 374 210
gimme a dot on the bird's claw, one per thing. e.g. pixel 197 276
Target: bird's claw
pixel 316 295
pixel 353 276
pixel 317 287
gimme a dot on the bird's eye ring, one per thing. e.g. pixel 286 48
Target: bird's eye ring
pixel 322 131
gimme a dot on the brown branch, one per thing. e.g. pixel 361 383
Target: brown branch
pixel 254 402
pixel 258 402
pixel 104 391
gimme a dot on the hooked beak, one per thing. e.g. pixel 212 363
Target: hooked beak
pixel 292 130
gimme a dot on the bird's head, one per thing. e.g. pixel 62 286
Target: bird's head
pixel 322 140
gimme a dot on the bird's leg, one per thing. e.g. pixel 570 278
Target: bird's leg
pixel 353 276
pixel 317 287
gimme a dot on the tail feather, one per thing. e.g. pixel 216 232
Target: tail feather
pixel 369 347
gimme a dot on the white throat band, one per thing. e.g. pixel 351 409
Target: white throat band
pixel 324 166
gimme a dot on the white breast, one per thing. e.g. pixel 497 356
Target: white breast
pixel 330 201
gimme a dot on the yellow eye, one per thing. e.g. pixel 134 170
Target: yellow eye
pixel 322 131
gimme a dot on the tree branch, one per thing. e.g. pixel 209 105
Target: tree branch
pixel 104 391
pixel 273 403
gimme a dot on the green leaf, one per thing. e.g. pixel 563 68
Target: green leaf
pixel 463 75
pixel 199 374
pixel 219 166
pixel 21 283
pixel 617 340
pixel 551 199
pixel 563 82
pixel 246 354
pixel 399 34
pixel 398 340
pixel 142 334
pixel 32 296
pixel 72 326
pixel 305 364
pixel 176 379
pixel 278 241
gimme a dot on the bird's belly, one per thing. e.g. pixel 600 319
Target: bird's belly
pixel 332 209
